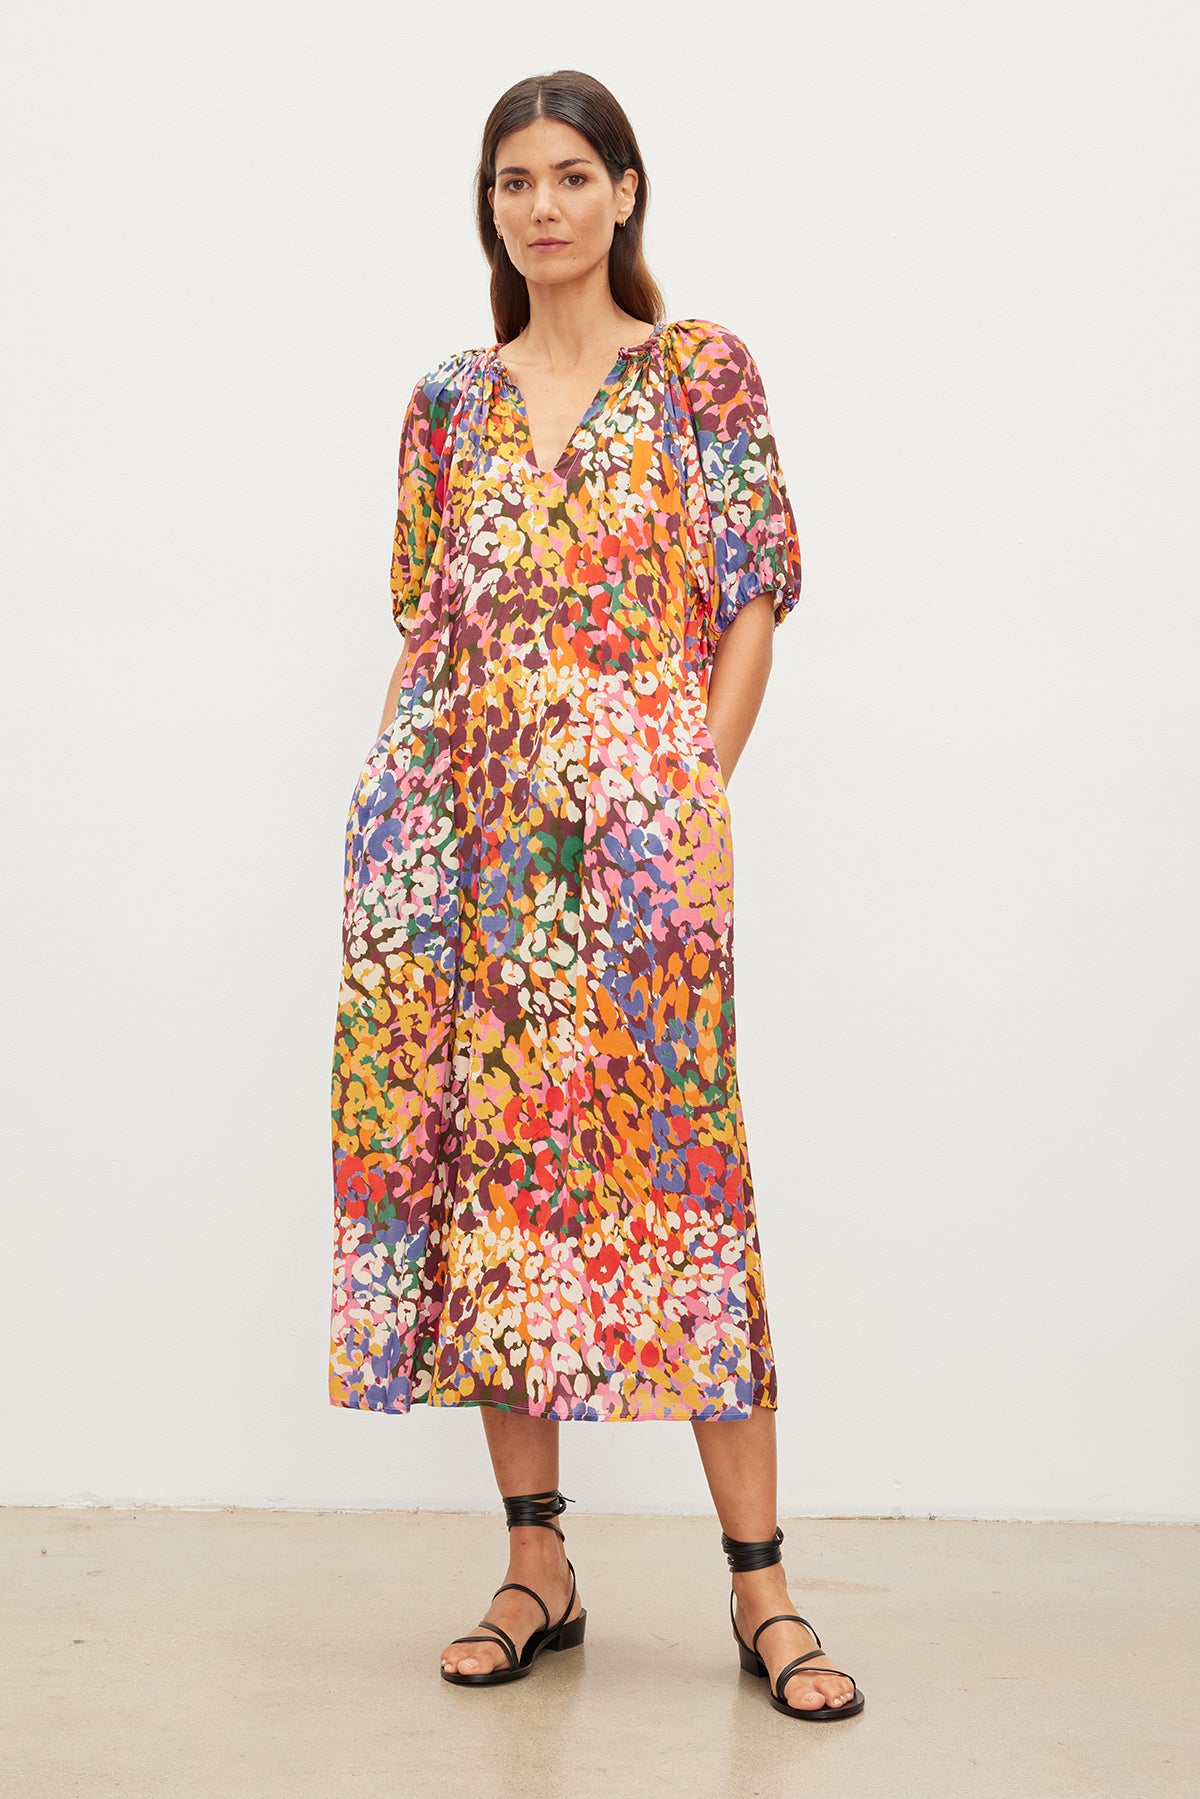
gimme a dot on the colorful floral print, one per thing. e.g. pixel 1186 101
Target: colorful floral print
pixel 543 1191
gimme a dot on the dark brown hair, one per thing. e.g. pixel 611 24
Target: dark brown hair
pixel 585 104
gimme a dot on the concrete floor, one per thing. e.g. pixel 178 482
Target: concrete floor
pixel 293 1655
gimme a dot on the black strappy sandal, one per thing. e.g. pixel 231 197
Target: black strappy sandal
pixel 742 1557
pixel 526 1508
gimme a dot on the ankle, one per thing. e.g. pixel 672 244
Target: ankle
pixel 759 1583
pixel 531 1543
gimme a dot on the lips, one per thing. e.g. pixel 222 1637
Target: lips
pixel 549 243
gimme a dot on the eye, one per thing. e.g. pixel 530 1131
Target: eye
pixel 515 180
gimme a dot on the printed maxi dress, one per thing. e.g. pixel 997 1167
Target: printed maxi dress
pixel 543 1194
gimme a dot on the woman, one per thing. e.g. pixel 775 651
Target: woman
pixel 544 1201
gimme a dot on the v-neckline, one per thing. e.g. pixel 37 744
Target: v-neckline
pixel 569 450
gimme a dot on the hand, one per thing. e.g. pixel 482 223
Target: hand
pixel 738 679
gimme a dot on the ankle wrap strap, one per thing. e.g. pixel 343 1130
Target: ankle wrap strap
pixel 536 1508
pixel 742 1557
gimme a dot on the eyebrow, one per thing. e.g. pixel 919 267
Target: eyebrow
pixel 513 168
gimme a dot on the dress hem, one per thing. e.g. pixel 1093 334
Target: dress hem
pixel 439 1402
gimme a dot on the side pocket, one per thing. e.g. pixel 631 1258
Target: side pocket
pixel 381 742
pixel 708 754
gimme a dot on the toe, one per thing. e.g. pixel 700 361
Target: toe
pixel 833 1693
pixel 838 1693
pixel 799 1691
pixel 456 1661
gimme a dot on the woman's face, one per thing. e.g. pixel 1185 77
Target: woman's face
pixel 550 184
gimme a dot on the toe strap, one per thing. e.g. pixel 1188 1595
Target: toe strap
pixel 502 1636
pixel 506 1642
pixel 786 1673
pixel 785 1618
pixel 514 1586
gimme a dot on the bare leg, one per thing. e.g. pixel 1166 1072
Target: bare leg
pixel 524 1454
pixel 740 1466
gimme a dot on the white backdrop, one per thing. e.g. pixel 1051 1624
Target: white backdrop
pixel 955 240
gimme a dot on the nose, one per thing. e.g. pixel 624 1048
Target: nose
pixel 544 206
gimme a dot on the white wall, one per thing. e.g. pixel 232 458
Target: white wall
pixel 956 240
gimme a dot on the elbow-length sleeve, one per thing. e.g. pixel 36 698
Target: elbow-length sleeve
pixel 420 489
pixel 753 542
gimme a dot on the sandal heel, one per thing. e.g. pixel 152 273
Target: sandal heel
pixel 571 1635
pixel 753 1664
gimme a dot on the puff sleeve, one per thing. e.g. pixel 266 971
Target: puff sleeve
pixel 420 491
pixel 753 542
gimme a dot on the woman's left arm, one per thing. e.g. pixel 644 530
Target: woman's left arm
pixel 753 548
pixel 738 677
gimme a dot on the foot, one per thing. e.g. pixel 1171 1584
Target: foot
pixel 537 1558
pixel 760 1594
